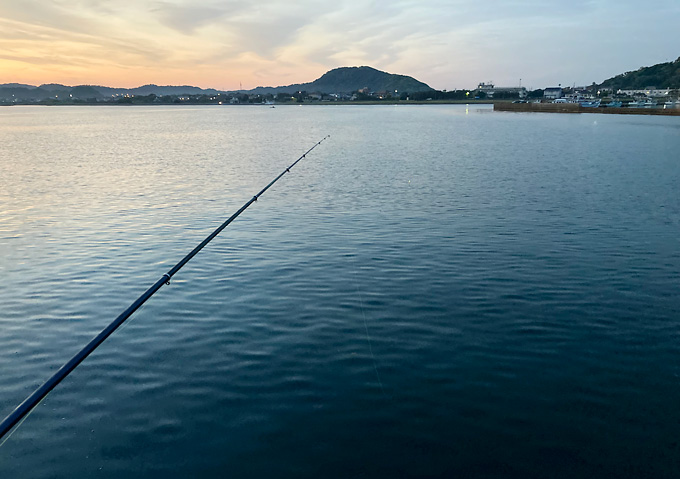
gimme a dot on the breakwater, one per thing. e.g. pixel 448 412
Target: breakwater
pixel 576 108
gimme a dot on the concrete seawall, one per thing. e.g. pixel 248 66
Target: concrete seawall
pixel 576 108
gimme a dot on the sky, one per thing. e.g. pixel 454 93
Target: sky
pixel 453 44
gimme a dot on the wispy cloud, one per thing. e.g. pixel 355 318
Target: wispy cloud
pixel 452 43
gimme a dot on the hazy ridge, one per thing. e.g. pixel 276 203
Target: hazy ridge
pixel 339 80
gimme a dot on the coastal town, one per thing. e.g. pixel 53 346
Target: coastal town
pixel 592 96
pixel 485 92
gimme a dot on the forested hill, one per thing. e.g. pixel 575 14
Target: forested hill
pixel 662 75
pixel 350 79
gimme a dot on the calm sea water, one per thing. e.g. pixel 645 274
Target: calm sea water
pixel 436 291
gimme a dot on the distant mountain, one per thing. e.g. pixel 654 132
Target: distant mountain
pixel 339 80
pixel 18 91
pixel 54 87
pixel 350 79
pixel 155 90
pixel 15 85
pixel 84 92
pixel 23 93
pixel 172 90
pixel 661 75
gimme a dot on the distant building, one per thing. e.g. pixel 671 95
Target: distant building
pixel 650 91
pixel 490 89
pixel 552 93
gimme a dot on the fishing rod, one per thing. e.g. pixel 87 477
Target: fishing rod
pixel 39 394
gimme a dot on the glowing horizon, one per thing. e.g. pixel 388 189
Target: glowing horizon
pixel 448 45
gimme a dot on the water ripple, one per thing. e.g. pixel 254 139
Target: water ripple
pixel 429 294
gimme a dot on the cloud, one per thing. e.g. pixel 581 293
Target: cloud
pixel 452 43
pixel 186 18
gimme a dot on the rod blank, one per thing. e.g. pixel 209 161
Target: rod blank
pixel 39 394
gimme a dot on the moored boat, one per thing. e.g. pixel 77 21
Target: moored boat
pixel 590 103
pixel 642 103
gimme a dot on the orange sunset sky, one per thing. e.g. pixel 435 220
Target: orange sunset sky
pixel 222 44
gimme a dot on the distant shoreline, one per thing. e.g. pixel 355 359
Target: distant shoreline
pixel 499 105
pixel 576 108
pixel 311 103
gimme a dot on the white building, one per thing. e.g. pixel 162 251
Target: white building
pixel 650 91
pixel 552 93
pixel 490 90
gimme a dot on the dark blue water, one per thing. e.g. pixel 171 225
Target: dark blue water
pixel 436 291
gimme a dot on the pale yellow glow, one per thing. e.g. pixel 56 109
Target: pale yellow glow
pixel 133 48
pixel 225 43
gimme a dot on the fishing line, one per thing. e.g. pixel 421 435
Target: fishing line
pixel 368 337
pixel 34 399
